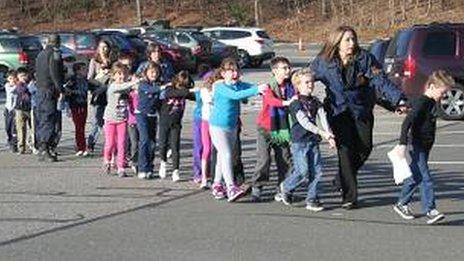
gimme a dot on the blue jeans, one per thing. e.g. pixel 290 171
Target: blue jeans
pixel 307 167
pixel 420 176
pixel 146 126
pixel 97 125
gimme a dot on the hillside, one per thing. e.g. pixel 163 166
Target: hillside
pixel 286 20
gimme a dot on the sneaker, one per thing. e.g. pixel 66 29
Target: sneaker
pixel 35 151
pixel 150 175
pixel 134 169
pixel 79 153
pixel 404 211
pixel 169 154
pixel 315 206
pixel 255 194
pixel 142 175
pixel 218 191
pixel 282 196
pixel 122 173
pixel 234 193
pixel 85 153
pixel 175 175
pixel 107 168
pixel 162 170
pixel 349 205
pixel 196 180
pixel 433 216
pixel 205 184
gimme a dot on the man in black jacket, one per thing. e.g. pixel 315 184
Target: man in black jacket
pixel 50 79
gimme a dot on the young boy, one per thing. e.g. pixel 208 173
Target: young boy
pixel 273 127
pixel 421 124
pixel 9 112
pixel 307 160
pixel 22 109
pixel 76 95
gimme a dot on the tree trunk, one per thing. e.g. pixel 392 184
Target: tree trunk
pixel 257 12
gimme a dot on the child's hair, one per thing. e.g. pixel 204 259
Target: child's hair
pixel 124 56
pixel 226 64
pixel 203 69
pixel 278 59
pixel 182 80
pixel 22 70
pixel 77 67
pixel 152 66
pixel 12 73
pixel 152 47
pixel 119 67
pixel 297 75
pixel 441 78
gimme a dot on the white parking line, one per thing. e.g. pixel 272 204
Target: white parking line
pixel 435 146
pixel 446 162
pixel 397 133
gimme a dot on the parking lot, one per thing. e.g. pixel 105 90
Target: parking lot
pixel 69 211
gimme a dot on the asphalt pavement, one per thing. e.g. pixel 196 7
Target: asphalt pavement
pixel 70 210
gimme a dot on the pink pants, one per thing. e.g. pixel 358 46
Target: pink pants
pixel 205 140
pixel 115 140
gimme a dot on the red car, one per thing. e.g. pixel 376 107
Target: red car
pixel 414 53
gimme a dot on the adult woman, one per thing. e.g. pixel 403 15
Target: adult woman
pixel 354 83
pixel 98 76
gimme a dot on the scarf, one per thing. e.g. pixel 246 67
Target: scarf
pixel 280 125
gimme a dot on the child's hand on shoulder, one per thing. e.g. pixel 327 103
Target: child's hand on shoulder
pixel 288 102
pixel 262 87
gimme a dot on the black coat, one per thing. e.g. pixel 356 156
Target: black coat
pixel 50 71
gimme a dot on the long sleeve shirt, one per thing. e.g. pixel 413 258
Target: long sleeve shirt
pixel 226 103
pixel 421 123
pixel 173 104
pixel 118 96
pixel 10 100
pixel 207 102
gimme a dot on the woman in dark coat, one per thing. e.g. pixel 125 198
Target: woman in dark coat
pixel 354 82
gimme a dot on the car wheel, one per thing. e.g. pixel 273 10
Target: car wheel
pixel 243 58
pixel 452 105
pixel 3 72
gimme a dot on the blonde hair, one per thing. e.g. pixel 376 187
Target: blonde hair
pixel 298 75
pixel 332 44
pixel 440 78
pixel 119 67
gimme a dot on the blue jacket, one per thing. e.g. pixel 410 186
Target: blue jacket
pixel 226 103
pixel 149 101
pixel 367 85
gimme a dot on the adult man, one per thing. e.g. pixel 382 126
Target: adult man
pixel 50 78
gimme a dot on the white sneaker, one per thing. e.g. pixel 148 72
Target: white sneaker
pixel 433 216
pixel 134 169
pixel 175 175
pixel 79 153
pixel 85 153
pixel 35 151
pixel 162 170
pixel 150 175
pixel 142 175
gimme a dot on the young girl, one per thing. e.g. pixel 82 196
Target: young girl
pixel 172 110
pixel 116 117
pixel 223 122
pixel 206 95
pixel 146 113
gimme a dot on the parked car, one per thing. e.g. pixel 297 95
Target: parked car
pixel 199 45
pixel 12 55
pixel 379 48
pixel 414 53
pixel 219 51
pixel 31 46
pixel 181 57
pixel 84 44
pixel 254 44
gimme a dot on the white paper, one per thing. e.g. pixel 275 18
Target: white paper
pixel 401 170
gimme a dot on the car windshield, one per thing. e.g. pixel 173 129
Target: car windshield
pixel 9 43
pixel 199 36
pixel 31 43
pixel 263 34
pixel 86 41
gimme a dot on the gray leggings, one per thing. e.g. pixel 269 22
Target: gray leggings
pixel 223 140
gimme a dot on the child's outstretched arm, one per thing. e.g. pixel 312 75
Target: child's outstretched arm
pixel 329 136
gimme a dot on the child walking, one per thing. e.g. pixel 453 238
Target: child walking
pixel 306 135
pixel 116 118
pixel 76 95
pixel 420 124
pixel 146 114
pixel 9 112
pixel 22 110
pixel 171 113
pixel 223 122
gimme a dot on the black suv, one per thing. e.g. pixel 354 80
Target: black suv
pixel 414 53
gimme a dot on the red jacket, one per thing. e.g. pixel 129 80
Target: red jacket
pixel 264 116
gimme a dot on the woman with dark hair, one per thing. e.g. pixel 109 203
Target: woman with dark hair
pixel 98 77
pixel 153 54
pixel 354 82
